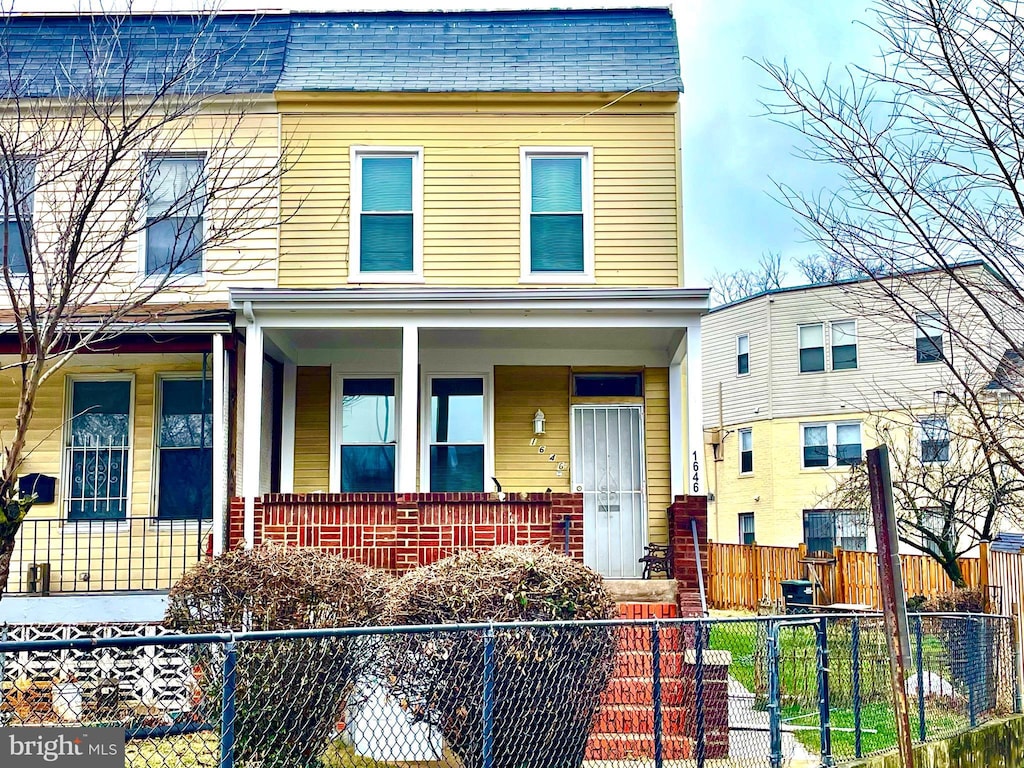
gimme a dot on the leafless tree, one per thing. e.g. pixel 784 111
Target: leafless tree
pixel 127 157
pixel 952 487
pixel 768 275
pixel 929 147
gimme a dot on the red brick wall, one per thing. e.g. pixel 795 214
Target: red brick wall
pixel 399 532
pixel 684 565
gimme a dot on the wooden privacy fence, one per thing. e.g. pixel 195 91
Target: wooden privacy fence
pixel 741 576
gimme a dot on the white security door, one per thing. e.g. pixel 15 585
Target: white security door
pixel 607 468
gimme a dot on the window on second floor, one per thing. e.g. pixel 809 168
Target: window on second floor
pixel 812 348
pixel 928 342
pixel 844 345
pixel 746 520
pixel 746 451
pixel 175 199
pixel 831 444
pixel 743 354
pixel 386 222
pixel 934 440
pixel 15 196
pixel 557 228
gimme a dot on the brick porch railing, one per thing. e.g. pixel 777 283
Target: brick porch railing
pixel 399 532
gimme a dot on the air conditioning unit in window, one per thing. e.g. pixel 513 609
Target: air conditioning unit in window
pixel 713 437
pixel 38 579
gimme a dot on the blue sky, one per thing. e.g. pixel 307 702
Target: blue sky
pixel 731 151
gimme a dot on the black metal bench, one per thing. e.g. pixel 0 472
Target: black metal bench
pixel 657 560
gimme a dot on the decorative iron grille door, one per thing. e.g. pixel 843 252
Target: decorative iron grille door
pixel 607 468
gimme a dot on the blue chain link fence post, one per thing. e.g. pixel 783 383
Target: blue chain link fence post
pixel 487 710
pixel 227 706
pixel 858 744
pixel 698 668
pixel 774 713
pixel 824 699
pixel 971 667
pixel 656 692
pixel 919 659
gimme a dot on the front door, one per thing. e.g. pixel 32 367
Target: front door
pixel 608 469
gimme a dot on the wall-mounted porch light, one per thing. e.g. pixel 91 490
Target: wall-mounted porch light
pixel 538 422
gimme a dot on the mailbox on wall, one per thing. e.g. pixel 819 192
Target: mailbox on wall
pixel 43 486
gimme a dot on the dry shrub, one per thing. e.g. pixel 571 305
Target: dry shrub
pixel 547 682
pixel 962 600
pixel 289 693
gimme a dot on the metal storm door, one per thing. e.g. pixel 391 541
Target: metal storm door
pixel 607 468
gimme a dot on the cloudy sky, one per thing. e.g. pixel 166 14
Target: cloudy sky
pixel 732 152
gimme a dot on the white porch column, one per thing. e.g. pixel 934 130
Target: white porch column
pixel 252 427
pixel 676 443
pixel 220 446
pixel 407 434
pixel 696 481
pixel 288 428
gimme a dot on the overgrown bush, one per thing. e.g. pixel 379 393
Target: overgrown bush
pixel 289 693
pixel 964 600
pixel 547 683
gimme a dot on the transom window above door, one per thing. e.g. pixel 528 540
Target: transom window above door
pixel 97 449
pixel 557 214
pixel 458 429
pixel 368 435
pixel 387 211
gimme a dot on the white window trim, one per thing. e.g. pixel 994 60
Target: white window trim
pixel 355 273
pixel 526 275
pixel 824 348
pixel 76 526
pixel 154 472
pixel 921 320
pixel 740 516
pixel 919 428
pixel 20 279
pixel 739 433
pixel 425 442
pixel 831 437
pixel 831 344
pixel 337 392
pixel 170 281
pixel 738 353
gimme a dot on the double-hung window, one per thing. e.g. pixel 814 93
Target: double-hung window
pixel 743 354
pixel 185 449
pixel 746 451
pixel 175 201
pixel 16 182
pixel 458 425
pixel 844 345
pixel 368 435
pixel 557 227
pixel 934 440
pixel 832 444
pixel 812 348
pixel 386 241
pixel 746 520
pixel 97 448
pixel 928 341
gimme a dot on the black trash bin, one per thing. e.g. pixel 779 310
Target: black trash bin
pixel 799 595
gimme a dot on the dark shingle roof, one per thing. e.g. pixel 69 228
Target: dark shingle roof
pixel 528 51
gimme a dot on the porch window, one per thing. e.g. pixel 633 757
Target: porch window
pixel 96 450
pixel 556 212
pixel 175 194
pixel 386 203
pixel 185 449
pixel 15 196
pixel 457 429
pixel 368 436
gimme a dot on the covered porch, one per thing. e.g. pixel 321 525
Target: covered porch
pixel 506 407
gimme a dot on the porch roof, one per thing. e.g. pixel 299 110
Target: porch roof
pixel 689 300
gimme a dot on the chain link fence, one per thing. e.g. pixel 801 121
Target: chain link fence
pixel 773 691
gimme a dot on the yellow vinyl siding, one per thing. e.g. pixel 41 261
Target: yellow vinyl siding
pixel 656 438
pixel 518 392
pixel 45 445
pixel 471 182
pixel 312 429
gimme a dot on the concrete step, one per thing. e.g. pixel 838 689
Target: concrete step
pixel 642 590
